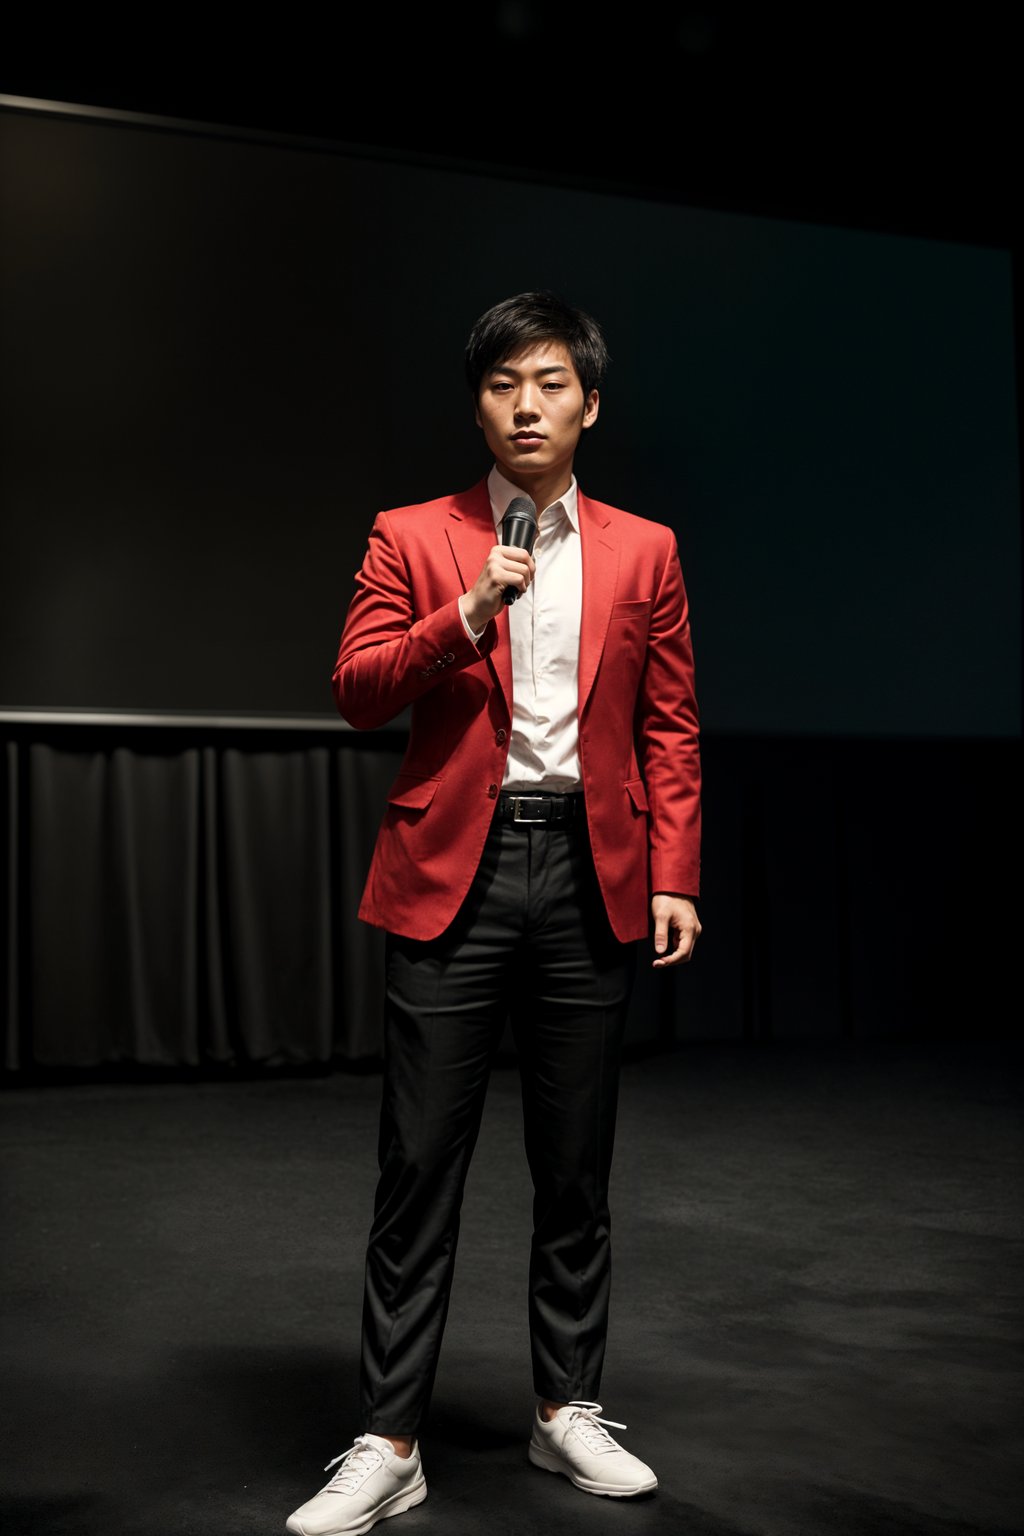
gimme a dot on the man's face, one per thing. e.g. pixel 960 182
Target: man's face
pixel 532 411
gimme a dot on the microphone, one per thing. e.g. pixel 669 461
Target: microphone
pixel 518 531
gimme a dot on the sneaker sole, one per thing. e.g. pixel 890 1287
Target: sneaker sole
pixel 396 1505
pixel 550 1461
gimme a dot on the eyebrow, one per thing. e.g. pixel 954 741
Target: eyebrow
pixel 508 368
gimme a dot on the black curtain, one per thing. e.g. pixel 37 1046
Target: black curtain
pixel 186 897
pixel 181 901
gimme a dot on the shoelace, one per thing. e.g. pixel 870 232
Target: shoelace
pixel 360 1459
pixel 590 1426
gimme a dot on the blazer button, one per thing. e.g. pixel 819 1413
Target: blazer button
pixel 501 737
pixel 492 790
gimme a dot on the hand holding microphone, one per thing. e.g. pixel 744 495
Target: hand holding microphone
pixel 509 567
pixel 518 531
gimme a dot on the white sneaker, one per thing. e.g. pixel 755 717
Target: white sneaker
pixel 576 1443
pixel 372 1483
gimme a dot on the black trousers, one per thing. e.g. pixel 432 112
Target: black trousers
pixel 531 943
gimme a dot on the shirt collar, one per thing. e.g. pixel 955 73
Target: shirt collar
pixel 502 491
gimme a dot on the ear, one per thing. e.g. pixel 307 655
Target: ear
pixel 590 409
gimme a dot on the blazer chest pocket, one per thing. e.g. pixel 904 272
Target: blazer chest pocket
pixel 627 633
pixel 633 608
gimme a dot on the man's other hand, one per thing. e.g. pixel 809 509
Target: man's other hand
pixel 676 928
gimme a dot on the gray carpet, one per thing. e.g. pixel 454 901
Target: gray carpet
pixel 816 1318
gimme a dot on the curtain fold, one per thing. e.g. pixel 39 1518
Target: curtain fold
pixel 12 907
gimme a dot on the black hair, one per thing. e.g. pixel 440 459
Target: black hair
pixel 520 322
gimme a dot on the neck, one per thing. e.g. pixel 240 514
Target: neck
pixel 543 488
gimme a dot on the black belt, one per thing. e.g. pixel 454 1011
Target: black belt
pixel 541 808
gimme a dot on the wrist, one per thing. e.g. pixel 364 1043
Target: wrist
pixel 477 621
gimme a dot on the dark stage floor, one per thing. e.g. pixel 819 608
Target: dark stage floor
pixel 816 1310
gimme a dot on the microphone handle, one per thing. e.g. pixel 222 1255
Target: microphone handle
pixel 519 533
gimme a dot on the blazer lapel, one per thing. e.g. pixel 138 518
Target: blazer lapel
pixel 471 534
pixel 600 549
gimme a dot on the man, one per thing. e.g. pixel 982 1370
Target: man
pixel 546 812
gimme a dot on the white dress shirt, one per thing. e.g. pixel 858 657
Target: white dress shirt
pixel 544 626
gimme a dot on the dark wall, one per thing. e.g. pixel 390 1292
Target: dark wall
pixel 225 355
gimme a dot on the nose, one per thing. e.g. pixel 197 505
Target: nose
pixel 527 408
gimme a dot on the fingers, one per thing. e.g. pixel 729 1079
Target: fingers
pixel 506 566
pixel 682 952
pixel 512 567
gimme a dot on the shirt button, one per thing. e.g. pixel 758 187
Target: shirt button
pixel 492 790
pixel 501 737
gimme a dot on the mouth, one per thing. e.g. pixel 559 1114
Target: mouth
pixel 527 437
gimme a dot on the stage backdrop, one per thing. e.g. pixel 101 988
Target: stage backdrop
pixel 223 354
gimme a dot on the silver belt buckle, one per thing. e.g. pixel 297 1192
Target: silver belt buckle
pixel 517 801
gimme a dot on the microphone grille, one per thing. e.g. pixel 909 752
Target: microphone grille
pixel 522 506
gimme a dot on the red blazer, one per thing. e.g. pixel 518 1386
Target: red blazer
pixel 404 643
